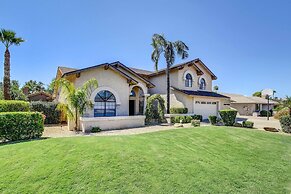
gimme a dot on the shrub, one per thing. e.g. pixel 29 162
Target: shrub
pixel 20 125
pixel 286 124
pixel 155 109
pixel 264 113
pixel 95 129
pixel 14 106
pixel 228 116
pixel 178 110
pixel 248 124
pixel 195 123
pixel 197 117
pixel 183 119
pixel 281 113
pixel 237 125
pixel 49 109
pixel 213 120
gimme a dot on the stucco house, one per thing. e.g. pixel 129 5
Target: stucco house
pixel 120 99
pixel 249 105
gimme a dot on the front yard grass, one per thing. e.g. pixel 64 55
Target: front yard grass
pixel 194 160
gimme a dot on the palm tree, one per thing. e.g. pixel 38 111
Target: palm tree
pixel 287 103
pixel 8 38
pixel 77 100
pixel 162 46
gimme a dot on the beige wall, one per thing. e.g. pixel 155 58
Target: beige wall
pixel 177 79
pixel 111 81
pixel 244 109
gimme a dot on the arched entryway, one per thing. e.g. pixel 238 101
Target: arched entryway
pixel 136 101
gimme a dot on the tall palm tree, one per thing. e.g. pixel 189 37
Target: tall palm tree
pixel 76 99
pixel 8 38
pixel 169 49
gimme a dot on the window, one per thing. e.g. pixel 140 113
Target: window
pixel 105 104
pixel 188 80
pixel 202 84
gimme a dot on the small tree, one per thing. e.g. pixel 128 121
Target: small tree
pixel 76 99
pixel 257 94
pixel 287 103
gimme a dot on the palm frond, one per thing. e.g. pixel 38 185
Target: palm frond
pixel 181 49
pixel 89 87
pixel 8 38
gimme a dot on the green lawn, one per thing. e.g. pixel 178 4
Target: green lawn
pixel 197 160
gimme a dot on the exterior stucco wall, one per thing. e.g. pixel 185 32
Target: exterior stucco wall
pixel 160 81
pixel 244 109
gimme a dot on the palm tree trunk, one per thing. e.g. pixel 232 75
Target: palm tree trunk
pixel 76 119
pixel 168 88
pixel 7 75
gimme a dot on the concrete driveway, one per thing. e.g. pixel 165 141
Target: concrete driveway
pixel 261 122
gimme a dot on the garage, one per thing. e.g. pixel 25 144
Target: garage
pixel 205 108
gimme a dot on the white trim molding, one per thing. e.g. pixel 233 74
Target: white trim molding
pixel 106 88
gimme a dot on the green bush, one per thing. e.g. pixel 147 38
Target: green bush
pixel 155 109
pixel 237 125
pixel 264 113
pixel 228 116
pixel 281 113
pixel 95 129
pixel 49 109
pixel 195 123
pixel 197 117
pixel 248 124
pixel 178 110
pixel 212 120
pixel 21 125
pixel 286 124
pixel 183 119
pixel 14 106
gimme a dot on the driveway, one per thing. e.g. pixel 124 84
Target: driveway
pixel 261 122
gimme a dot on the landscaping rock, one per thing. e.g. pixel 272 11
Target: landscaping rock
pixel 271 129
pixel 178 125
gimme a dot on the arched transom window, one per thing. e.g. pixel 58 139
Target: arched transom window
pixel 188 80
pixel 202 84
pixel 105 104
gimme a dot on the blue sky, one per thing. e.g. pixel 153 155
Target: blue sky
pixel 246 43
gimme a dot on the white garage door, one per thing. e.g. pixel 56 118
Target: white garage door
pixel 205 108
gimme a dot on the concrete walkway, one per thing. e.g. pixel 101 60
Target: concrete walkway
pixel 62 131
pixel 261 122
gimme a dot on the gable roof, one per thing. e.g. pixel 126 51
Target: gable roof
pixel 201 93
pixel 141 71
pixel 241 99
pixel 113 66
pixel 66 69
pixel 189 63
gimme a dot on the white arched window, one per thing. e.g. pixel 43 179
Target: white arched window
pixel 202 84
pixel 188 80
pixel 105 104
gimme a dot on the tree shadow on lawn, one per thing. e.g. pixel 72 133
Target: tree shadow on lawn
pixel 5 143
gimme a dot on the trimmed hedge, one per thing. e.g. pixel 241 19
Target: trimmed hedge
pixel 212 120
pixel 264 113
pixel 228 116
pixel 178 110
pixel 21 125
pixel 247 124
pixel 185 119
pixel 286 124
pixel 49 109
pixel 14 106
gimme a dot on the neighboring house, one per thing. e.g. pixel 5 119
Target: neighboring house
pixel 248 105
pixel 40 96
pixel 120 99
pixel 37 96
